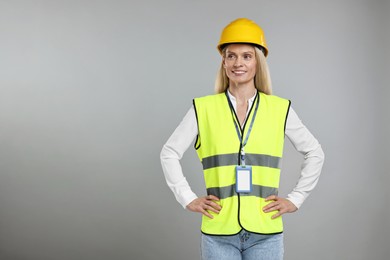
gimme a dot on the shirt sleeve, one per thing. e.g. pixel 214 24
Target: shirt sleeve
pixel 305 143
pixel 171 154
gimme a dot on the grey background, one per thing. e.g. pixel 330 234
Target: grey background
pixel 91 90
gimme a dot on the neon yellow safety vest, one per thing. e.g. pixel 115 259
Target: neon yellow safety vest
pixel 218 147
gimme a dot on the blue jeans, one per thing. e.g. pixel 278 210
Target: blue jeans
pixel 243 246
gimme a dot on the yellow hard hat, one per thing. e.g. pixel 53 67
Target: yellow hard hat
pixel 243 30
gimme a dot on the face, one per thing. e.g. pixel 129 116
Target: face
pixel 240 63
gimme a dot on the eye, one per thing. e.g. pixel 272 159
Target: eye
pixel 230 56
pixel 247 56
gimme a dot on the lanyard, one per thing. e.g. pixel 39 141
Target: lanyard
pixel 238 129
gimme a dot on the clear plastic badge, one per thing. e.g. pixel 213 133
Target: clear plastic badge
pixel 243 179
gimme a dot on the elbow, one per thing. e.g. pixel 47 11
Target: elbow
pixel 164 153
pixel 167 153
pixel 321 154
pixel 317 153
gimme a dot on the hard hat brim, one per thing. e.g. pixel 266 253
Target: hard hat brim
pixel 224 45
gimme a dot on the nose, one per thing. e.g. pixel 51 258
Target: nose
pixel 238 62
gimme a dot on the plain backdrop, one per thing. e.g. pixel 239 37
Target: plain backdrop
pixel 91 90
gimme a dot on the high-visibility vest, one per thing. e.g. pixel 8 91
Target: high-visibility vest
pixel 218 147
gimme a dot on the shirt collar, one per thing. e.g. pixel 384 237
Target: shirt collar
pixel 231 97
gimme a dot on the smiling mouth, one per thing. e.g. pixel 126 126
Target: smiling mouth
pixel 239 72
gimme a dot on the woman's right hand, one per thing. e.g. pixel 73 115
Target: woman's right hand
pixel 203 204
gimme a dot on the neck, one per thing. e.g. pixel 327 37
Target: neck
pixel 242 93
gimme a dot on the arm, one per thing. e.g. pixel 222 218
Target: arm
pixel 170 156
pixel 305 143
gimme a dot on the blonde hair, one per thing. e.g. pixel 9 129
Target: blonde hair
pixel 262 77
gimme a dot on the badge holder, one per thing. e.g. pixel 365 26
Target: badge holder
pixel 243 179
pixel 243 176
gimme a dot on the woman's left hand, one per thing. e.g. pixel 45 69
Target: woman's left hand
pixel 282 205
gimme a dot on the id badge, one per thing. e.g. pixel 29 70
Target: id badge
pixel 243 179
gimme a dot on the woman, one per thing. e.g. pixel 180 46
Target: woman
pixel 239 140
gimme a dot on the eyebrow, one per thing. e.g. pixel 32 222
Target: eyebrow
pixel 245 52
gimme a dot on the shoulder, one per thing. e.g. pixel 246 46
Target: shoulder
pixel 272 99
pixel 210 98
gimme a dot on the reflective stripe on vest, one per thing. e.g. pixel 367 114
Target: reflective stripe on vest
pixel 231 159
pixel 218 149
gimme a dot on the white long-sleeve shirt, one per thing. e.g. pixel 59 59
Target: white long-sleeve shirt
pixel 184 135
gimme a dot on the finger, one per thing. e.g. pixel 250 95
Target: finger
pixel 279 213
pixel 213 205
pixel 271 197
pixel 276 215
pixel 269 206
pixel 212 209
pixel 204 212
pixel 212 197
